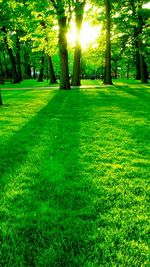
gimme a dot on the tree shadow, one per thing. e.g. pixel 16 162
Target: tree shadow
pixel 140 92
pixel 59 203
pixel 47 212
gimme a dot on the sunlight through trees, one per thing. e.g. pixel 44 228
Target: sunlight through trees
pixel 64 41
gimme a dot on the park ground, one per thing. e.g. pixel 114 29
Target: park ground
pixel 74 169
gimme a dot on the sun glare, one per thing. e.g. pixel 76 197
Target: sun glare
pixel 89 34
pixel 147 5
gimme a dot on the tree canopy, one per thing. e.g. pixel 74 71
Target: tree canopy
pixel 34 40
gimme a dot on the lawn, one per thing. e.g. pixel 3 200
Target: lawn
pixel 74 169
pixel 35 84
pixel 28 84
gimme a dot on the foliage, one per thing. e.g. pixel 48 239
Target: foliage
pixel 35 24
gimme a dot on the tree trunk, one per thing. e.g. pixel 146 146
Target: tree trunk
pixel 18 58
pixel 76 67
pixel 51 71
pixel 27 72
pixel 138 72
pixel 77 53
pixel 143 66
pixel 107 75
pixel 143 69
pixel 13 63
pixel 128 69
pixel 12 59
pixel 62 40
pixel 34 73
pixel 41 75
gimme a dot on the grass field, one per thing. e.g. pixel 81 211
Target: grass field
pixel 28 83
pixel 34 84
pixel 74 169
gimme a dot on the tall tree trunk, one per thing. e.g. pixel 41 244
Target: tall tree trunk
pixel 60 6
pixel 128 69
pixel 63 51
pixel 41 75
pixel 51 71
pixel 138 72
pixel 143 66
pixel 12 59
pixel 137 31
pixel 107 75
pixel 77 53
pixel 13 63
pixel 34 72
pixel 143 69
pixel 29 71
pixel 27 66
pixel 141 24
pixel 18 58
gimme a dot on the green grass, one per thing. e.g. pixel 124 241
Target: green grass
pixel 74 177
pixel 28 84
pixel 34 84
pixel 91 82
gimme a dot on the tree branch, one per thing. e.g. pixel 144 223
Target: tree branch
pixel 54 3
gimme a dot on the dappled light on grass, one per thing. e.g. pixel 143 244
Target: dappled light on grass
pixel 15 114
pixel 75 178
pixel 132 84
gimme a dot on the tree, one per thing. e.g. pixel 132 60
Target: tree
pixel 132 21
pixel 140 18
pixel 142 61
pixel 26 57
pixel 107 74
pixel 30 28
pixel 10 15
pixel 51 70
pixel 79 10
pixel 18 56
pixel 12 58
pixel 63 20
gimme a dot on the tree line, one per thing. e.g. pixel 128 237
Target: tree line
pixel 33 37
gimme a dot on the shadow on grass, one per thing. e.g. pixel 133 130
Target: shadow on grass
pixel 15 150
pixel 47 210
pixel 135 103
pixel 72 195
pixel 140 91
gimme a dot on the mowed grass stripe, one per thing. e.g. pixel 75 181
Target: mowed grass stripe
pixel 74 178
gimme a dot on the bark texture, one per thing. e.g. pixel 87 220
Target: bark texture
pixel 77 53
pixel 107 74
pixel 12 59
pixel 63 51
pixel 18 58
pixel 51 71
